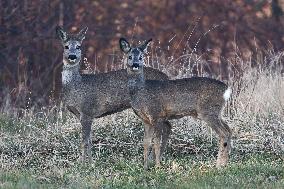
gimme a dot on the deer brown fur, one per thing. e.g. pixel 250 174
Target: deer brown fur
pixel 97 95
pixel 158 101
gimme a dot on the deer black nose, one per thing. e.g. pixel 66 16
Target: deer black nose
pixel 72 57
pixel 135 65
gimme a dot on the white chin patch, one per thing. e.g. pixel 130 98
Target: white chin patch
pixel 135 69
pixel 72 60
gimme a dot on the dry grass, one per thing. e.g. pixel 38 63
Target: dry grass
pixel 47 141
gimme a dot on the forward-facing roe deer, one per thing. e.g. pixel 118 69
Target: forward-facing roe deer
pixel 97 95
pixel 158 101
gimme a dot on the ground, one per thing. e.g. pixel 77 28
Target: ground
pixel 37 152
pixel 249 171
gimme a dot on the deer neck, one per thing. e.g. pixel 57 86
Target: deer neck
pixel 136 82
pixel 70 74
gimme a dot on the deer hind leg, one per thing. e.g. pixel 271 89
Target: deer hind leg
pixel 148 136
pixel 224 145
pixel 224 133
pixel 86 122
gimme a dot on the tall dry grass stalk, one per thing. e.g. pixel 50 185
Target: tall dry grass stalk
pixel 257 106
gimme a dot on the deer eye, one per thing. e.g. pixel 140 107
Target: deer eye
pixel 130 57
pixel 66 47
pixel 78 47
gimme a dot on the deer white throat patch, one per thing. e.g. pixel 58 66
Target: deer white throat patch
pixel 67 76
pixel 227 94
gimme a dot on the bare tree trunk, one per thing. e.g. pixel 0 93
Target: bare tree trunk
pixel 277 9
pixel 281 4
pixel 61 13
pixel 55 83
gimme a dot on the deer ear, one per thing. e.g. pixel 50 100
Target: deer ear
pixel 124 45
pixel 82 33
pixel 61 34
pixel 144 46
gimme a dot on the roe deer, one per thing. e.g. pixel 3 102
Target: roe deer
pixel 158 101
pixel 97 95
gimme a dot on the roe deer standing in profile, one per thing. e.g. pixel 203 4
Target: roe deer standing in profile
pixel 97 95
pixel 158 101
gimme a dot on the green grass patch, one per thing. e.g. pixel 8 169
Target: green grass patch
pixel 38 153
pixel 254 171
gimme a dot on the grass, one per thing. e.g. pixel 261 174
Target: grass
pixel 38 154
pixel 254 171
pixel 40 149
